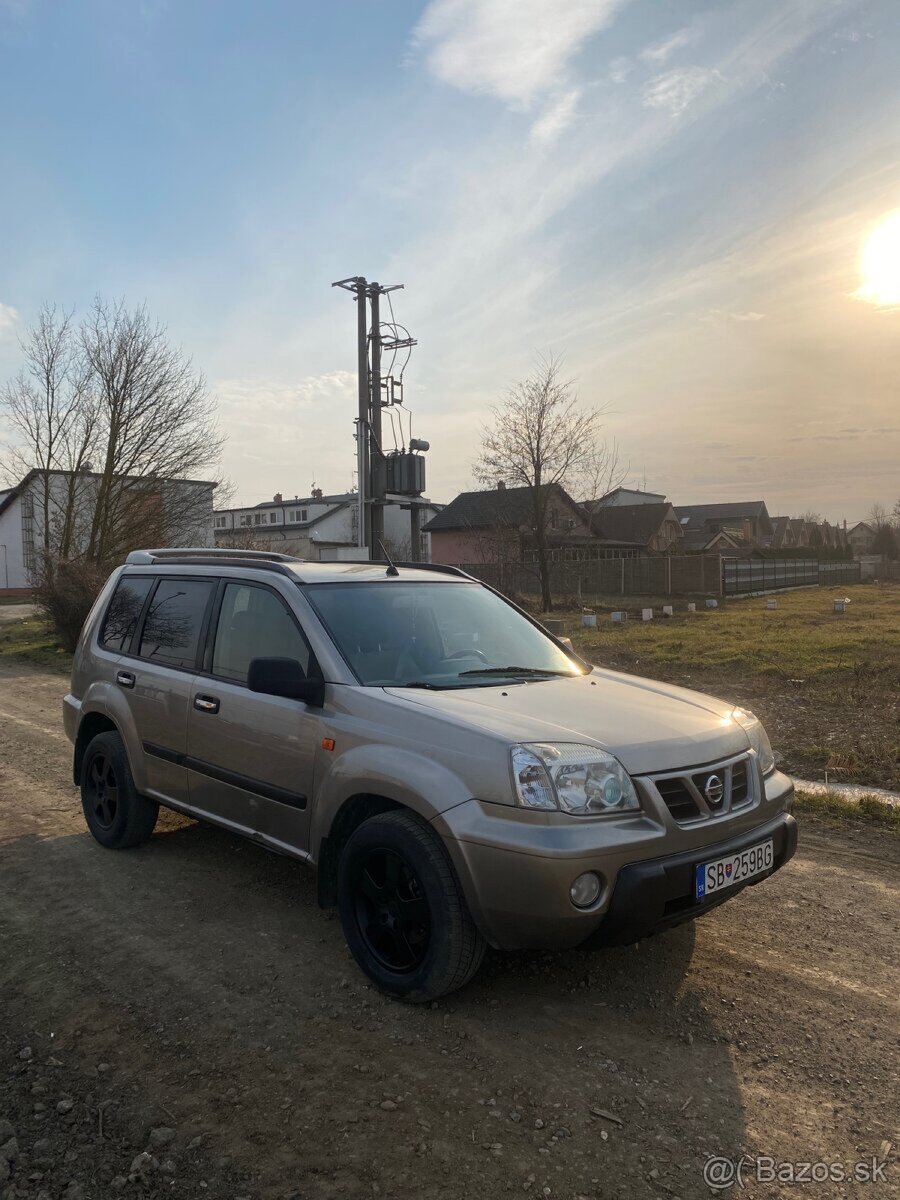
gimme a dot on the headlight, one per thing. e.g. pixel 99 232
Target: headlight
pixel 759 739
pixel 573 778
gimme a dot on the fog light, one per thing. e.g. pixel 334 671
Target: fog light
pixel 585 890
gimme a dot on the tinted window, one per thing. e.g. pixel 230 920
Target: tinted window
pixel 174 621
pixel 254 623
pixel 124 610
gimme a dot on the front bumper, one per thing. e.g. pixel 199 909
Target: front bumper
pixel 656 895
pixel 516 869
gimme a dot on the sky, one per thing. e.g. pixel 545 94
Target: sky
pixel 673 196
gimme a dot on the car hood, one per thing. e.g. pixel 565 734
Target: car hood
pixel 649 726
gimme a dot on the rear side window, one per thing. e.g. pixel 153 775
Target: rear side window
pixel 123 612
pixel 254 623
pixel 174 622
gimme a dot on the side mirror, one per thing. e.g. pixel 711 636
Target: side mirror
pixel 285 677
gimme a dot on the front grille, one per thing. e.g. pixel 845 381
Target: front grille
pixel 694 796
pixel 740 784
pixel 678 798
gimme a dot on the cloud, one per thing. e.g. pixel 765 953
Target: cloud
pixel 9 318
pixel 513 49
pixel 560 114
pixel 268 396
pixel 716 313
pixel 677 90
pixel 661 52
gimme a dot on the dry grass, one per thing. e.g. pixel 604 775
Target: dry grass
pixel 31 640
pixel 871 809
pixel 827 685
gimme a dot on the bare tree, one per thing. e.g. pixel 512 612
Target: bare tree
pixel 117 426
pixel 157 427
pixel 51 413
pixel 542 440
pixel 879 515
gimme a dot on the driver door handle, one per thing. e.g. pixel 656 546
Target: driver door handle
pixel 125 679
pixel 207 704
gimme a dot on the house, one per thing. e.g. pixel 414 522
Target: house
pixel 861 538
pixel 651 527
pixel 749 516
pixel 49 507
pixel 783 534
pixel 727 542
pixel 497 525
pixel 321 527
pixel 622 496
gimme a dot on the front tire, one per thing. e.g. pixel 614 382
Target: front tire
pixel 117 816
pixel 403 912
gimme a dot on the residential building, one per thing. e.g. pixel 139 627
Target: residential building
pixel 751 517
pixel 653 527
pixel 861 537
pixel 63 504
pixel 497 525
pixel 622 497
pixel 321 527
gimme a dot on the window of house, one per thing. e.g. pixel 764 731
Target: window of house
pixel 124 609
pixel 245 518
pixel 254 623
pixel 272 518
pixel 171 632
pixel 554 518
pixel 220 522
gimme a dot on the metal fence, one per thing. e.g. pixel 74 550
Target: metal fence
pixel 694 574
pixel 679 575
pixel 741 576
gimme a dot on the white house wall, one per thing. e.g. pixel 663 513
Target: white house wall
pixel 12 561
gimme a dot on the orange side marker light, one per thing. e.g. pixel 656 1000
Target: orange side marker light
pixel 327 743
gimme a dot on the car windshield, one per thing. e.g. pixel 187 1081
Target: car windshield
pixel 436 635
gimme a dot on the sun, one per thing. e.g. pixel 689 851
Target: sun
pixel 880 263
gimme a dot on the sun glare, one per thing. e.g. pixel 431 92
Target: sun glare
pixel 880 263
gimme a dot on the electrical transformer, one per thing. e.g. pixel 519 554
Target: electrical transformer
pixel 405 473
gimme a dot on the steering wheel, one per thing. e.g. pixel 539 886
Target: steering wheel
pixel 466 654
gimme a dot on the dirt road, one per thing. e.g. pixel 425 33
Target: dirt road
pixel 192 987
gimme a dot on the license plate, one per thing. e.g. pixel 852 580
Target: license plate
pixel 725 872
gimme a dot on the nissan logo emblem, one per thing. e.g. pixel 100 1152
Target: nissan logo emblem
pixel 714 790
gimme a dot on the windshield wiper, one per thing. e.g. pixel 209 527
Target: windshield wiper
pixel 513 671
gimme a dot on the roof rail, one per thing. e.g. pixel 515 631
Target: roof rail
pixel 440 568
pixel 146 558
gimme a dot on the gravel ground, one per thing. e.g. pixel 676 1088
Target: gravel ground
pixel 182 1020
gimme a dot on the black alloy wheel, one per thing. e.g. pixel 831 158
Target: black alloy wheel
pixel 103 790
pixel 392 911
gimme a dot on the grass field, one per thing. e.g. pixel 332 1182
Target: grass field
pixel 827 686
pixel 30 640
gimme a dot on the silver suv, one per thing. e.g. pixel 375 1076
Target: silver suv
pixel 457 776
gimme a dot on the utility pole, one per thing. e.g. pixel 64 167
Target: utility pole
pixel 371 460
pixel 363 533
pixel 378 465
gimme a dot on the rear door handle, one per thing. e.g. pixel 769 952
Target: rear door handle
pixel 125 679
pixel 207 704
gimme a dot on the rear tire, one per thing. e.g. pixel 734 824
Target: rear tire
pixel 116 815
pixel 403 912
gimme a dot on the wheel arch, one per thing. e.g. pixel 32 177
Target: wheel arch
pixel 351 814
pixel 91 724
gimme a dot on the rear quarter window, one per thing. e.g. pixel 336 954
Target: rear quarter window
pixel 124 610
pixel 174 621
